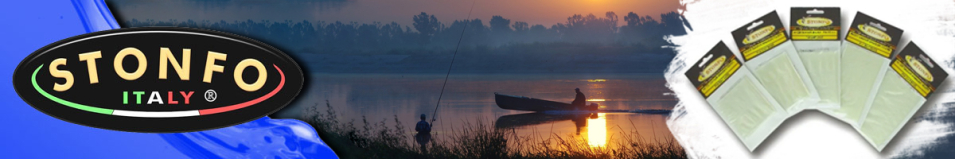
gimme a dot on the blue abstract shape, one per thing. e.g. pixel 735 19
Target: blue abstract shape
pixel 94 15
pixel 28 133
pixel 261 138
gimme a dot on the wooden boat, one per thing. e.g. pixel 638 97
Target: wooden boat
pixel 532 104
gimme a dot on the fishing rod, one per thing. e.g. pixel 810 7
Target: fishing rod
pixel 456 47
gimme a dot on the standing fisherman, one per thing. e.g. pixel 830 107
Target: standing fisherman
pixel 424 133
pixel 423 127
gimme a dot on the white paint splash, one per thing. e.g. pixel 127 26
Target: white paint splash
pixel 930 23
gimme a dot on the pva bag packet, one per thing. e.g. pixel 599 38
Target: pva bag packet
pixel 815 34
pixel 865 60
pixel 770 54
pixel 736 95
pixel 911 79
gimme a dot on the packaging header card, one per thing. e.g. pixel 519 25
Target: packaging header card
pixel 760 35
pixel 815 23
pixel 874 35
pixel 920 71
pixel 713 69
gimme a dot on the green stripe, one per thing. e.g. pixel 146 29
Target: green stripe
pixel 67 103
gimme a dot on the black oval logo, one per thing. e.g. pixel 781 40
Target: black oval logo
pixel 158 79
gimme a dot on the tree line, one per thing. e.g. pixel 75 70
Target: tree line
pixel 429 33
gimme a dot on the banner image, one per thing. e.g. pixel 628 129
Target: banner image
pixel 477 79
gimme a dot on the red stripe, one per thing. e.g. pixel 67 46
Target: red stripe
pixel 248 103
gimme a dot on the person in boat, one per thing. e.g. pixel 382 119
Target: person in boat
pixel 580 101
pixel 423 137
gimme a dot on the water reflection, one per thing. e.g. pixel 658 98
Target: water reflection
pixel 591 126
pixel 596 100
pixel 597 131
pixel 530 119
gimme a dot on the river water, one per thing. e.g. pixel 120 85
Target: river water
pixel 469 99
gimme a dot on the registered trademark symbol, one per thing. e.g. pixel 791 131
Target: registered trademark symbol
pixel 210 95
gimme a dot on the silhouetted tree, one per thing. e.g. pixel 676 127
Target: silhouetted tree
pixel 589 29
pixel 520 26
pixel 612 20
pixel 540 33
pixel 500 25
pixel 368 34
pixel 426 25
pixel 640 29
pixel 672 23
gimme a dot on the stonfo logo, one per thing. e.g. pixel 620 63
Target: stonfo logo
pixel 814 21
pixel 158 79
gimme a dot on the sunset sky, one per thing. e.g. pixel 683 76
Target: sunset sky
pixel 547 12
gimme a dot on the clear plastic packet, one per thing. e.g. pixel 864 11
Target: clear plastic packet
pixel 865 60
pixel 911 80
pixel 770 54
pixel 815 34
pixel 736 95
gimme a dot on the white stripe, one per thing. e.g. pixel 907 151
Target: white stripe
pixel 156 114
